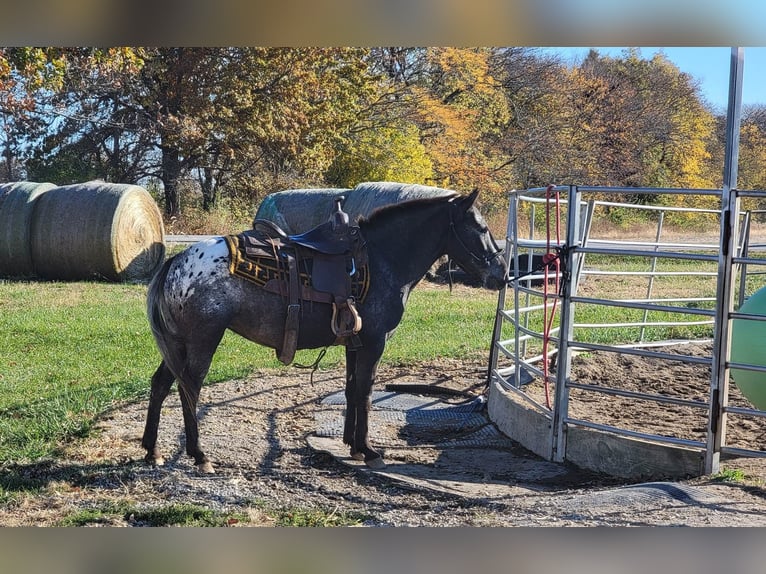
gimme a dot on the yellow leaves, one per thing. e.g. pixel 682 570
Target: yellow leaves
pixel 384 154
pixel 456 104
pixel 494 118
pixel 461 69
pixel 124 60
pixel 643 122
pixel 752 153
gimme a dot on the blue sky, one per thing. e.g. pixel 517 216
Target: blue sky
pixel 710 65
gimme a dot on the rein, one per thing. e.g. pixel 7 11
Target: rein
pixel 548 258
pixel 313 366
pixel 485 260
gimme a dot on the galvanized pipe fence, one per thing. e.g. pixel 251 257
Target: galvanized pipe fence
pixel 620 295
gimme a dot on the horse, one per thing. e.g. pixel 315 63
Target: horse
pixel 193 299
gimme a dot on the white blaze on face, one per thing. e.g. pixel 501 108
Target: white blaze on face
pixel 199 264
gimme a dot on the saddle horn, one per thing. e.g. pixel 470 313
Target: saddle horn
pixel 339 218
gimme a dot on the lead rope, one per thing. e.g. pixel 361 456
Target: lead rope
pixel 551 256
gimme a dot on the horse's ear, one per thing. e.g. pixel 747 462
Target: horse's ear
pixel 467 202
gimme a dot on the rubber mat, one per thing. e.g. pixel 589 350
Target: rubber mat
pixel 429 443
pixel 407 402
pixel 426 420
pixel 649 492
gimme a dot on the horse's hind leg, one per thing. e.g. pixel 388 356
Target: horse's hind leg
pixel 189 391
pixel 162 380
pixel 199 357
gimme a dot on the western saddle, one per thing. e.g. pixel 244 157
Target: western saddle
pixel 327 264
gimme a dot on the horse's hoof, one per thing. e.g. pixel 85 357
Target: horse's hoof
pixel 376 463
pixel 155 461
pixel 205 468
pixel 357 455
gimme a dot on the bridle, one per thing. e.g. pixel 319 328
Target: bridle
pixel 485 260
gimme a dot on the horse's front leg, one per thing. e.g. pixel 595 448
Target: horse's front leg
pixel 361 371
pixel 349 426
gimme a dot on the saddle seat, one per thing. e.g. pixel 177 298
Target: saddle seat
pixel 334 237
pixel 327 264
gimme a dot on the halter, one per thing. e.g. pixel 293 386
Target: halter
pixel 485 260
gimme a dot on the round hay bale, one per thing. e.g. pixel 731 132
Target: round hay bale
pixel 17 201
pixel 371 195
pixel 298 210
pixel 97 230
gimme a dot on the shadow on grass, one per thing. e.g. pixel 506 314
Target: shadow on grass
pixel 16 478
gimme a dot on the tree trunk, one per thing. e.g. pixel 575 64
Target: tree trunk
pixel 209 189
pixel 171 173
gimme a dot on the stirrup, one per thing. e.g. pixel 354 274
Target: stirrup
pixel 337 317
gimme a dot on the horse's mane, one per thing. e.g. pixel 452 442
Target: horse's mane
pixel 395 209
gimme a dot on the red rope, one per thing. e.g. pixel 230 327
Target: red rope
pixel 551 256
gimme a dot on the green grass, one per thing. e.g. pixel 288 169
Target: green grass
pixel 437 324
pixel 184 514
pixel 730 475
pixel 70 351
pixel 312 518
pixel 194 515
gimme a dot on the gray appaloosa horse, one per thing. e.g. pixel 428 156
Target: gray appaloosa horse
pixel 194 298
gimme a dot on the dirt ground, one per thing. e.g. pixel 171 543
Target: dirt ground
pixel 654 376
pixel 666 378
pixel 257 432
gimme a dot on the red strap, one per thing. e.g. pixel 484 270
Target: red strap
pixel 548 258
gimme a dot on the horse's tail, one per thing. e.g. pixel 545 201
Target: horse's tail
pixel 166 334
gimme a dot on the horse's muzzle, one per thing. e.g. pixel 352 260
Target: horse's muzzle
pixel 497 274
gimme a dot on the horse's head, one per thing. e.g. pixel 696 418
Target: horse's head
pixel 472 246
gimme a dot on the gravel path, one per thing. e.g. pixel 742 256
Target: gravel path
pixel 256 433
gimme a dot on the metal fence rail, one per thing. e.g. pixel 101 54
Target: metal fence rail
pixel 522 307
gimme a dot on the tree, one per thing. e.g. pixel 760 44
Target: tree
pixel 752 154
pixel 383 154
pixel 219 115
pixel 653 127
pixel 459 107
pixel 243 122
pixel 541 139
pixel 24 73
pixel 452 97
pixel 300 107
pixel 93 131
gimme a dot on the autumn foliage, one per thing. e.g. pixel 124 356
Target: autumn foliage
pixel 212 126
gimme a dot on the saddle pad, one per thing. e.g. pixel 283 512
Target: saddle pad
pixel 262 268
